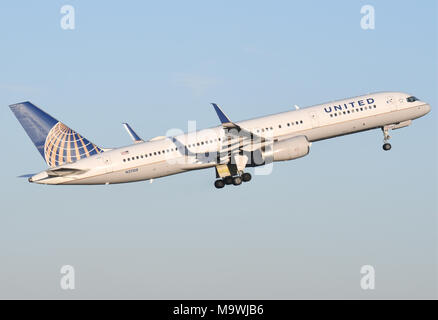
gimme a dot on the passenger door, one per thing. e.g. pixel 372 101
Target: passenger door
pixel 106 159
pixel 314 119
pixel 391 103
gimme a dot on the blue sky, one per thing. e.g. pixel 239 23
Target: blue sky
pixel 302 232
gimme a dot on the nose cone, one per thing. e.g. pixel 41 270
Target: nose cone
pixel 427 108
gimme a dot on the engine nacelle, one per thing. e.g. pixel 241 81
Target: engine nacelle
pixel 288 149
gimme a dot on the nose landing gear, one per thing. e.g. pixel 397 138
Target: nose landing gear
pixel 386 145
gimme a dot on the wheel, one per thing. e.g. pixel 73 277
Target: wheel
pixel 219 184
pixel 387 146
pixel 228 180
pixel 246 177
pixel 237 180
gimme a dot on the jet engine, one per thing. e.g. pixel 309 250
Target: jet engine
pixel 284 150
pixel 291 148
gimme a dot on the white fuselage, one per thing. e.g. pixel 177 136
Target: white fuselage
pixel 181 153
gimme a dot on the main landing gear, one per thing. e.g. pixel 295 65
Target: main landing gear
pixel 386 145
pixel 236 180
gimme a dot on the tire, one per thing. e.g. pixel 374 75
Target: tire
pixel 387 146
pixel 219 184
pixel 237 181
pixel 246 177
pixel 228 180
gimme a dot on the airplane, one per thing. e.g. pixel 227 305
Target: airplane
pixel 230 148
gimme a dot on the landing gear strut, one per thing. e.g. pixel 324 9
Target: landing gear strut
pixel 386 145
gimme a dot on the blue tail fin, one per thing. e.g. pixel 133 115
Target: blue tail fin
pixel 57 143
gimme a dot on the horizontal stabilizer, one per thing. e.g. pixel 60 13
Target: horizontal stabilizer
pixel 60 172
pixel 26 175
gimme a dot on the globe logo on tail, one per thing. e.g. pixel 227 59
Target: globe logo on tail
pixel 64 145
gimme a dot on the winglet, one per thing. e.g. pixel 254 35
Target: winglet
pixel 222 117
pixel 226 122
pixel 132 133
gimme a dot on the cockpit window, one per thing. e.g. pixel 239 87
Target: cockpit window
pixel 411 99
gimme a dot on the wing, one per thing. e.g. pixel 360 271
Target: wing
pixel 238 140
pixel 227 124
